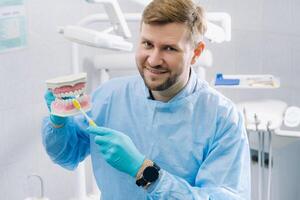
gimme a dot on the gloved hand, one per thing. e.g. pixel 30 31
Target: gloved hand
pixel 56 120
pixel 118 150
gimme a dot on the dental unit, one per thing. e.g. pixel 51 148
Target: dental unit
pixel 263 118
pixel 65 89
pixel 268 118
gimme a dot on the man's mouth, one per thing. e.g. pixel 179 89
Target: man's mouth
pixel 155 70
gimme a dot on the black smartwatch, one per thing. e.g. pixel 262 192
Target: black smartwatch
pixel 150 175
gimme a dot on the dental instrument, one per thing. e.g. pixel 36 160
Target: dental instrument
pixel 260 152
pixel 78 106
pixel 270 161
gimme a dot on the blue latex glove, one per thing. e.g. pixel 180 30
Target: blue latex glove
pixel 118 150
pixel 56 120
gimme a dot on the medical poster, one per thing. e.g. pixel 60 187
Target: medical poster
pixel 13 33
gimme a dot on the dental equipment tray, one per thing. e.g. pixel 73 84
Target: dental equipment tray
pixel 260 81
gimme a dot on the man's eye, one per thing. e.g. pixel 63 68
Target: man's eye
pixel 147 45
pixel 170 48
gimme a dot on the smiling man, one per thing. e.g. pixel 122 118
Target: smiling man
pixel 164 134
pixel 164 62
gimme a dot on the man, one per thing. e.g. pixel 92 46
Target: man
pixel 164 134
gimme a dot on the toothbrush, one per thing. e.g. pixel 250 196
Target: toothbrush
pixel 78 106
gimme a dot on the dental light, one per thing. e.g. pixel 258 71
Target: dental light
pixel 79 34
pixel 115 15
pixel 94 38
pixel 106 40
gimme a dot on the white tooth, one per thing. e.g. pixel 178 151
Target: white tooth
pixel 76 93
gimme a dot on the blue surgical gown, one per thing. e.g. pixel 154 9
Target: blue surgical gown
pixel 197 138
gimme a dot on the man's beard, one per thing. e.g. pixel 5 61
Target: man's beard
pixel 165 85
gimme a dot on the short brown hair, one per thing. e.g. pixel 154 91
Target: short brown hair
pixel 180 11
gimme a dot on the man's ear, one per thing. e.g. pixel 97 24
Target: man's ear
pixel 197 51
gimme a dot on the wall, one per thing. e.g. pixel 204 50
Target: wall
pixel 265 39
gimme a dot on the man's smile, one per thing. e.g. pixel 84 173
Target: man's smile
pixel 156 71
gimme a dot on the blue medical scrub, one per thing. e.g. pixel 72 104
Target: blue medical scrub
pixel 197 138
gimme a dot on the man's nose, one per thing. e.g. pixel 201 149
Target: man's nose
pixel 155 58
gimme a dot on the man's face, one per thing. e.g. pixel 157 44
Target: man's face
pixel 164 55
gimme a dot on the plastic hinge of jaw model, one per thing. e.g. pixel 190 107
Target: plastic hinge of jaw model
pixel 66 88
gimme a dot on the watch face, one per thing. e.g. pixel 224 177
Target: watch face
pixel 150 174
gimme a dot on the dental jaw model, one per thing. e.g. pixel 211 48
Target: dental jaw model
pixel 65 89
